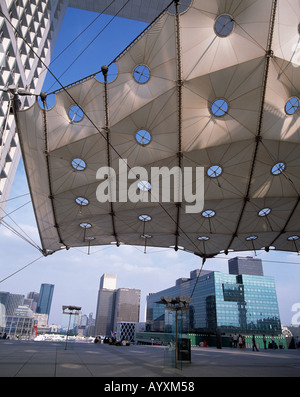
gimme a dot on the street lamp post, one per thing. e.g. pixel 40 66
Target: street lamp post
pixel 180 303
pixel 71 310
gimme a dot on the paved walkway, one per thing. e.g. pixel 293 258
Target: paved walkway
pixel 51 359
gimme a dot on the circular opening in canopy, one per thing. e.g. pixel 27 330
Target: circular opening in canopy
pixel 293 238
pixel 264 212
pixel 203 238
pixel 145 218
pixel 208 213
pixel 251 238
pixel 224 25
pixel 82 201
pixel 145 186
pixel 143 137
pixel 219 107
pixel 78 164
pixel 75 113
pixel 146 236
pixel 292 106
pixel 141 74
pixel 278 168
pixel 214 171
pixel 85 225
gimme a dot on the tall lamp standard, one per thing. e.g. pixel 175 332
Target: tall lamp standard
pixel 178 304
pixel 71 310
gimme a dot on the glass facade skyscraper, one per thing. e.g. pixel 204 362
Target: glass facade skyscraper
pixel 242 303
pixel 45 299
pixel 248 265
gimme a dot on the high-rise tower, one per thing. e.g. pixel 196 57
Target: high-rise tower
pixel 115 305
pixel 45 299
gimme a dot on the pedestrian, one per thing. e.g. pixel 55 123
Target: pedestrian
pixel 235 340
pixel 254 344
pixel 265 342
pixel 273 342
pixel 244 342
pixel 230 340
pixel 240 341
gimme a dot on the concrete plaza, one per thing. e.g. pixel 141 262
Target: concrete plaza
pixel 51 359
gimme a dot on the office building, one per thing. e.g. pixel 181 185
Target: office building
pixel 105 312
pixel 19 327
pixel 245 303
pixel 10 302
pixel 45 299
pixel 248 265
pixel 28 34
pixel 17 313
pixel 34 297
pixel 115 305
pixel 23 311
pixel 104 323
pixel 127 305
pixel 108 281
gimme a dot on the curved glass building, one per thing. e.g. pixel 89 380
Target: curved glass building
pixel 241 303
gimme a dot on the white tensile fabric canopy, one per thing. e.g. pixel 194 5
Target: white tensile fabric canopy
pixel 215 86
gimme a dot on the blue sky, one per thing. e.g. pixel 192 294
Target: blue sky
pixel 76 274
pixel 108 37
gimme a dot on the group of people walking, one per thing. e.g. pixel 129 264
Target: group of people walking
pixel 239 341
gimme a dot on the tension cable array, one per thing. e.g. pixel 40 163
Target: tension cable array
pixel 91 42
pixel 22 268
pixel 97 128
